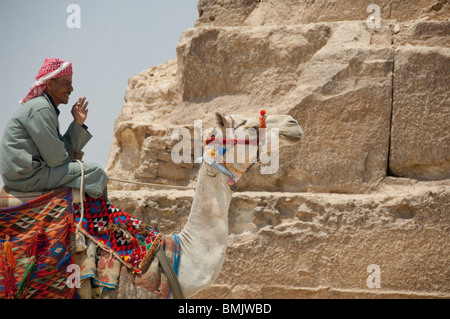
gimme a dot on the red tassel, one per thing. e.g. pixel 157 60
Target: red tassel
pixel 8 263
pixel 39 240
pixel 8 252
pixel 262 119
pixel 9 282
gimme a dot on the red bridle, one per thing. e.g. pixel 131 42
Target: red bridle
pixel 223 166
pixel 234 141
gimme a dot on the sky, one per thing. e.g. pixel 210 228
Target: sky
pixel 107 41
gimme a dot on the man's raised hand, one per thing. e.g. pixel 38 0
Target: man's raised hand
pixel 79 110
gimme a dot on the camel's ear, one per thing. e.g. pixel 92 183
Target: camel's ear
pixel 221 121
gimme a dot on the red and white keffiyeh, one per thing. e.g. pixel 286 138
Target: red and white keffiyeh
pixel 52 69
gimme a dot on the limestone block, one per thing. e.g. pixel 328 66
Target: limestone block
pixel 290 12
pixel 173 172
pixel 126 149
pixel 423 33
pixel 147 170
pixel 224 12
pixel 142 88
pixel 420 138
pixel 425 9
pixel 293 12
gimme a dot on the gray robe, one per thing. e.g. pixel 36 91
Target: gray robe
pixel 35 157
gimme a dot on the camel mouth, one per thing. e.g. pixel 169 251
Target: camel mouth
pixel 289 140
pixel 292 138
pixel 290 131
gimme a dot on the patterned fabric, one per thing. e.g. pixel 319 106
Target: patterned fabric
pixel 126 236
pixel 10 198
pixel 130 240
pixel 37 244
pixel 155 278
pixel 154 283
pixel 52 69
pixel 108 278
pixel 100 267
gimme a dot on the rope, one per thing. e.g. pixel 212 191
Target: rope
pixel 81 197
pixel 150 184
pixel 107 249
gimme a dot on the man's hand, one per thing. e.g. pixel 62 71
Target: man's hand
pixel 79 110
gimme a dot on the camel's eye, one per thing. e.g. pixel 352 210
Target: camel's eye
pixel 253 128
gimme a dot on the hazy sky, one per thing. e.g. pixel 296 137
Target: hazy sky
pixel 116 40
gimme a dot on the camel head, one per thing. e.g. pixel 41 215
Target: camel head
pixel 240 141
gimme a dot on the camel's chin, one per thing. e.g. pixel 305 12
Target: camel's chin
pixel 288 140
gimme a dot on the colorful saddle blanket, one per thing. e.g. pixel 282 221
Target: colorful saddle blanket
pixel 38 243
pixel 118 232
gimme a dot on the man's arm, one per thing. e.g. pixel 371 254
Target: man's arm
pixel 43 129
pixel 76 138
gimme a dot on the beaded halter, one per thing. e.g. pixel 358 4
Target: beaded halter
pixel 215 156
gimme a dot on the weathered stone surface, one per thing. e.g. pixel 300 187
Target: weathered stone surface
pixel 306 245
pixel 420 9
pixel 293 12
pixel 423 33
pixel 245 61
pixel 420 138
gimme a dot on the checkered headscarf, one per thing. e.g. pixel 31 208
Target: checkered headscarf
pixel 52 69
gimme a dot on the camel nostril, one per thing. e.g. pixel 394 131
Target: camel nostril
pixel 293 122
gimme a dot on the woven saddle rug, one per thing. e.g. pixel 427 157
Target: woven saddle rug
pixel 112 233
pixel 104 276
pixel 37 244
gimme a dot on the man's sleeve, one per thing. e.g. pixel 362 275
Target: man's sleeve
pixel 76 138
pixel 43 129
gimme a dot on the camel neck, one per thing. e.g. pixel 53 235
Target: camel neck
pixel 210 205
pixel 204 238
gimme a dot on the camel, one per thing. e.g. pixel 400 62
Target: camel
pixel 203 239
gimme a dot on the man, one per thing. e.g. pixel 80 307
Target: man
pixel 33 154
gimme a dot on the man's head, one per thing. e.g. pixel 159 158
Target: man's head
pixel 53 69
pixel 59 89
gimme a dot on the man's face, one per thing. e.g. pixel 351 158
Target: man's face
pixel 60 89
